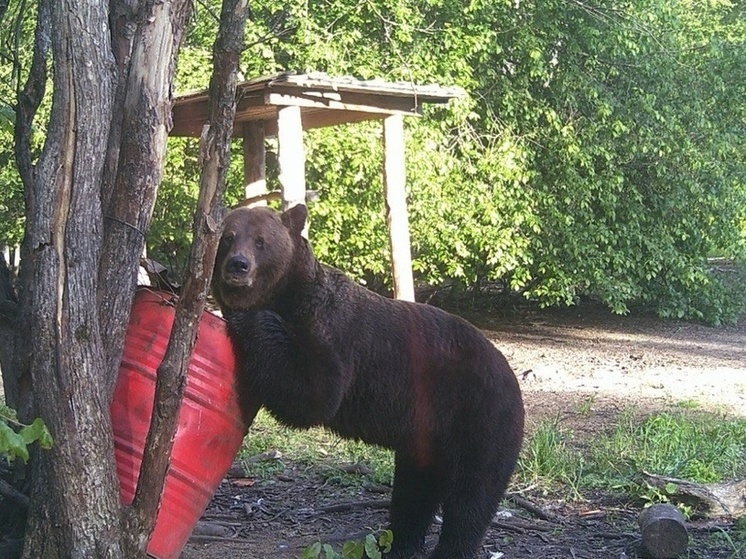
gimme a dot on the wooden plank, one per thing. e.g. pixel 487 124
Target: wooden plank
pixel 319 118
pixel 254 161
pixel 394 179
pixel 430 93
pixel 291 157
pixel 189 121
pixel 345 101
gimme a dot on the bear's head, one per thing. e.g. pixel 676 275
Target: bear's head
pixel 261 251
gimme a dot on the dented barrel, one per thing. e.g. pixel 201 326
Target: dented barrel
pixel 211 426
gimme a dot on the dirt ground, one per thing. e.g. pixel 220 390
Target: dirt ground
pixel 582 366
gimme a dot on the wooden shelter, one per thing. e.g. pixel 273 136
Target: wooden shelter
pixel 286 104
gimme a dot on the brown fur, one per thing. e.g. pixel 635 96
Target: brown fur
pixel 319 349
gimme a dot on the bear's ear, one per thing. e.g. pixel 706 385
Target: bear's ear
pixel 295 218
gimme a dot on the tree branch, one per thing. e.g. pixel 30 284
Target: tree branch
pixel 31 96
pixel 215 154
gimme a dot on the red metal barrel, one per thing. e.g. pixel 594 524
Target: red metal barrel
pixel 211 426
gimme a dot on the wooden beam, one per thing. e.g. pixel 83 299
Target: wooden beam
pixel 319 118
pixel 394 179
pixel 291 157
pixel 341 101
pixel 254 161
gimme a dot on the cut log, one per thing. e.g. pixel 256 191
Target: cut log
pixel 715 500
pixel 663 531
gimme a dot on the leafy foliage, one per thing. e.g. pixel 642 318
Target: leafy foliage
pixel 596 156
pixel 15 437
pixel 600 152
pixel 371 546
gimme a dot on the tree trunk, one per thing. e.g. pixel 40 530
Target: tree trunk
pixel 89 202
pixel 135 156
pixel 18 378
pixel 74 506
pixel 8 316
pixel 171 375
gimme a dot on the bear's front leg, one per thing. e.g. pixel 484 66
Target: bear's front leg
pixel 295 378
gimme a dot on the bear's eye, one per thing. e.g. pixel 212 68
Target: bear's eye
pixel 259 242
pixel 226 239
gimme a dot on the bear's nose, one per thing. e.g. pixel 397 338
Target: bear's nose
pixel 238 265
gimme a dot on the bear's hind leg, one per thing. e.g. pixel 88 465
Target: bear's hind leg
pixel 467 513
pixel 415 499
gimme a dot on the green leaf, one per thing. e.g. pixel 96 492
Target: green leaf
pixel 353 549
pixel 37 431
pixel 312 551
pixel 385 540
pixel 329 551
pixel 371 547
pixel 12 444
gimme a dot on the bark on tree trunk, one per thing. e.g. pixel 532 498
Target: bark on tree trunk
pixel 135 156
pixel 19 377
pixel 89 202
pixel 74 503
pixel 8 315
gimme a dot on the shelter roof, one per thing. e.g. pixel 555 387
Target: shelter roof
pixel 324 101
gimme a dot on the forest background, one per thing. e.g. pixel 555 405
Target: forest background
pixel 599 151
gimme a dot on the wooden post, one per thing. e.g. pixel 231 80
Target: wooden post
pixel 291 157
pixel 394 174
pixel 254 161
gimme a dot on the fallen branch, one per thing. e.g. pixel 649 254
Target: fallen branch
pixel 521 526
pixel 710 500
pixel 212 529
pixel 264 457
pixel 356 505
pixel 199 538
pixel 524 503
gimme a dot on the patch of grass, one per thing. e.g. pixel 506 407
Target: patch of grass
pixel 735 542
pixel 586 406
pixel 316 447
pixel 688 404
pixel 548 460
pixel 698 448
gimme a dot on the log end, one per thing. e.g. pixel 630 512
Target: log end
pixel 663 530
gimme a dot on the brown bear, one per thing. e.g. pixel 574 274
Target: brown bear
pixel 319 349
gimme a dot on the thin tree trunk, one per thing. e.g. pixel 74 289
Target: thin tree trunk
pixel 18 377
pixel 8 317
pixel 215 156
pixel 147 68
pixel 75 509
